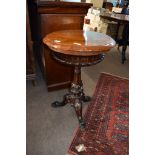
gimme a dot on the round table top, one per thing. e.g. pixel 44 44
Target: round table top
pixel 79 42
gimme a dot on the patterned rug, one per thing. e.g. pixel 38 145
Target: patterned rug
pixel 106 118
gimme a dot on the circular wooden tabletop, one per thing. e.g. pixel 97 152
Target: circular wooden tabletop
pixel 79 42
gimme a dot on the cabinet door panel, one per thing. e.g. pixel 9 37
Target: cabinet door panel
pixel 56 22
pixel 58 74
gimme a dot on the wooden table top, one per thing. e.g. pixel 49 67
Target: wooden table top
pixel 115 17
pixel 79 42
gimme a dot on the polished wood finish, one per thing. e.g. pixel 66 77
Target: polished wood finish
pixel 63 7
pixel 108 5
pixel 64 4
pixel 77 48
pixel 79 42
pixel 47 17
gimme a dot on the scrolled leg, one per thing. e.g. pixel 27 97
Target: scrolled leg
pixel 85 98
pixel 61 103
pixel 78 110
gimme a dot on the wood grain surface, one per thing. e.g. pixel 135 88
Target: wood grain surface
pixel 79 42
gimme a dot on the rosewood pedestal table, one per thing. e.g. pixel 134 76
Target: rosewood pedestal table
pixel 79 49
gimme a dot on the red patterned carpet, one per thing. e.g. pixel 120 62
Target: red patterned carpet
pixel 106 118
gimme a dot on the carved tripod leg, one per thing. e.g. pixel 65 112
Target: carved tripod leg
pixel 78 110
pixel 77 91
pixel 62 103
pixel 84 98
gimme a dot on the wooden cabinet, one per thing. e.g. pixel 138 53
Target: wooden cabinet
pixel 47 17
pixel 30 65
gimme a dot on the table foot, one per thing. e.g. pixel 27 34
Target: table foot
pixel 86 98
pixel 82 124
pixel 78 110
pixel 61 103
pixel 58 104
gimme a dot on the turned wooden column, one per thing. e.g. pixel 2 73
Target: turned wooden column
pixel 77 48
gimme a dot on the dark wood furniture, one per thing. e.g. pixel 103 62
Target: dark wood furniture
pixel 30 64
pixel 77 48
pixel 124 42
pixel 120 19
pixel 47 17
pixel 107 5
